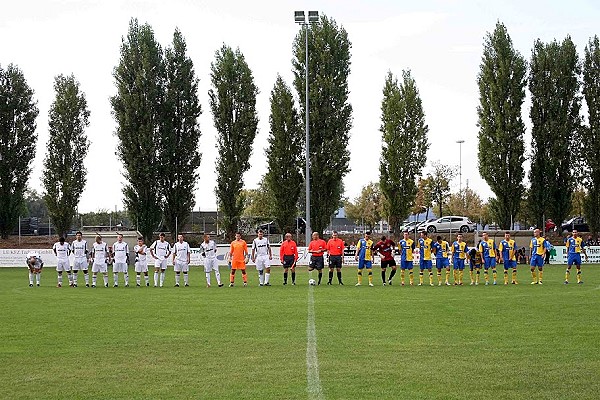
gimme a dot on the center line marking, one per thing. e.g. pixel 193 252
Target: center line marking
pixel 312 362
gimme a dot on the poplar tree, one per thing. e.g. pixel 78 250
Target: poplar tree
pixel 64 175
pixel 502 80
pixel 18 111
pixel 404 145
pixel 233 106
pixel 284 157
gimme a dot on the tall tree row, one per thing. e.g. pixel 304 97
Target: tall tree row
pixel 64 175
pixel 180 135
pixel 404 145
pixel 330 113
pixel 233 106
pixel 502 80
pixel 554 84
pixel 590 138
pixel 284 156
pixel 18 111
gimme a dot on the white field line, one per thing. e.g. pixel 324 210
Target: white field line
pixel 313 382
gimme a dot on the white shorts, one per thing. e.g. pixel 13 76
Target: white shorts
pixel 141 266
pixel 80 263
pixel 262 262
pixel 211 264
pixel 119 267
pixel 100 268
pixel 162 264
pixel 181 266
pixel 63 265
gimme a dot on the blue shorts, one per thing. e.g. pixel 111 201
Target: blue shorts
pixel 574 259
pixel 474 266
pixel 459 263
pixel 362 263
pixel 537 261
pixel 441 263
pixel 510 264
pixel 489 262
pixel 406 264
pixel 425 264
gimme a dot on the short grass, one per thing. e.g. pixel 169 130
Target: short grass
pixel 393 342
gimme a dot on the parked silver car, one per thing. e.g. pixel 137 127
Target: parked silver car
pixel 450 223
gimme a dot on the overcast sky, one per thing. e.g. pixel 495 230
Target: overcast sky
pixel 440 41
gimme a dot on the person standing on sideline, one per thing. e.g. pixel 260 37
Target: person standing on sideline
pixel 238 254
pixel 317 248
pixel 385 248
pixel 335 252
pixel 487 248
pixel 575 246
pixel 208 249
pixel 181 260
pixel 364 256
pixel 539 248
pixel 262 256
pixel 407 246
pixel 424 244
pixel 121 260
pixel 80 250
pixel 288 255
pixel 441 248
pixel 141 261
pixel 35 265
pixel 100 257
pixel 508 256
pixel 460 252
pixel 160 251
pixel 62 250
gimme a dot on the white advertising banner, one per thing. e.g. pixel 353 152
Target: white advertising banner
pixel 558 255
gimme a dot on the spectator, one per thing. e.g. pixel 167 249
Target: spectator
pixel 550 225
pixel 522 257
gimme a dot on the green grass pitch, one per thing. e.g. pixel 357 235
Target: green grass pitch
pixel 514 342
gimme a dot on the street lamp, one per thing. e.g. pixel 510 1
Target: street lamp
pixel 299 18
pixel 460 142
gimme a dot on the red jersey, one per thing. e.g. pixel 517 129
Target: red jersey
pixel 288 248
pixel 335 247
pixel 317 247
pixel 386 249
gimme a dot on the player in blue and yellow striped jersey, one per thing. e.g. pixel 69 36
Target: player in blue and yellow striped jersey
pixel 575 246
pixel 441 248
pixel 475 262
pixel 425 248
pixel 508 255
pixel 460 253
pixel 538 246
pixel 487 248
pixel 364 256
pixel 406 245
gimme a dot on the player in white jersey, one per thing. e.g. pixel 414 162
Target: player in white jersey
pixel 262 256
pixel 208 248
pixel 62 250
pixel 141 263
pixel 181 260
pixel 35 265
pixel 80 250
pixel 160 251
pixel 100 257
pixel 120 251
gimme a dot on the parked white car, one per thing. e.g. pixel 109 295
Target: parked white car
pixel 450 223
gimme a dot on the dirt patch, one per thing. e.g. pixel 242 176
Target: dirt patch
pixel 29 242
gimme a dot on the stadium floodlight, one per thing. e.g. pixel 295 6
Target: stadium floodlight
pixel 299 18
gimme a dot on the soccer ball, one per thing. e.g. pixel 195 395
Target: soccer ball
pixel 312 282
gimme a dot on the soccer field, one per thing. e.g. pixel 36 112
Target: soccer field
pixel 377 342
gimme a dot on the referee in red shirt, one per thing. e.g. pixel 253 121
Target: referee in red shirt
pixel 335 250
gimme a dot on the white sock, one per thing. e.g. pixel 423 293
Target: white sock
pixel 126 279
pixel 75 279
pixel 38 277
pixel 162 278
pixel 207 278
pixel 70 276
pixel 60 279
pixel 116 278
pixel 31 278
pixel 267 277
pixel 86 277
pixel 146 278
pixel 156 279
pixel 105 280
pixel 261 277
pixel 217 275
pixel 94 278
pixel 176 279
pixel 185 278
pixel 137 279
